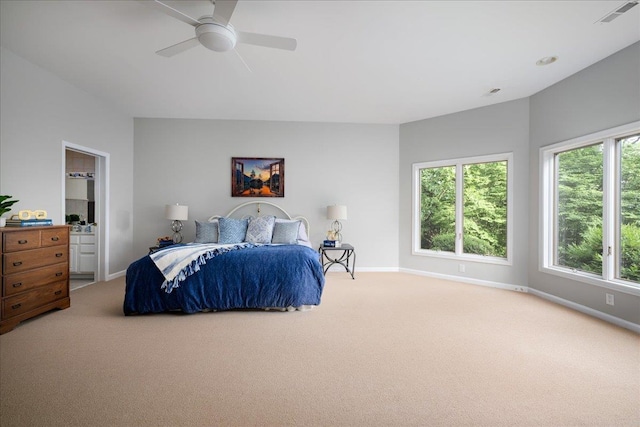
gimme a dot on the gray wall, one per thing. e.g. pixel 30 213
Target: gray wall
pixel 500 128
pixel 603 96
pixel 38 111
pixel 189 162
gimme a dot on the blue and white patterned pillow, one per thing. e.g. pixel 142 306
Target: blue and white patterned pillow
pixel 260 229
pixel 231 230
pixel 206 232
pixel 286 232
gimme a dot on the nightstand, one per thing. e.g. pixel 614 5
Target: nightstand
pixel 156 248
pixel 327 258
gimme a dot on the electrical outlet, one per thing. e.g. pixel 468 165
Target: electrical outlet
pixel 462 268
pixel 609 299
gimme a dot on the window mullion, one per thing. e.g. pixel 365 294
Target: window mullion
pixel 459 209
pixel 553 230
pixel 609 211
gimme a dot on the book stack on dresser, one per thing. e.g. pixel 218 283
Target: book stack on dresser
pixel 35 272
pixel 31 222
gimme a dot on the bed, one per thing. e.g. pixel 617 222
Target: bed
pixel 237 261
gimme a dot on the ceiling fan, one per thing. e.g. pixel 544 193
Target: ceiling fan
pixel 216 33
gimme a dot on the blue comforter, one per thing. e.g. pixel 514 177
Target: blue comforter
pixel 259 277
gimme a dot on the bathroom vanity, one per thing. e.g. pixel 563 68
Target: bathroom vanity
pixel 82 250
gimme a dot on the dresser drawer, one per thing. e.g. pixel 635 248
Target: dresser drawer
pixel 17 262
pixel 21 240
pixel 21 282
pixel 54 237
pixel 26 301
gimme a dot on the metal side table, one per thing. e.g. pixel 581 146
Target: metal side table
pixel 348 252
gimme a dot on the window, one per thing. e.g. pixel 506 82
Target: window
pixel 628 227
pixel 590 210
pixel 461 208
pixel 579 208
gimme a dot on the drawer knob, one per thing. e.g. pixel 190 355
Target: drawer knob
pixel 17 263
pixel 22 242
pixel 16 306
pixel 59 273
pixel 58 292
pixel 55 238
pixel 17 285
pixel 58 255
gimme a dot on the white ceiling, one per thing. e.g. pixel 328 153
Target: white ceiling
pixel 356 61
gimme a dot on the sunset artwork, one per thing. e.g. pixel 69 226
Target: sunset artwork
pixel 257 177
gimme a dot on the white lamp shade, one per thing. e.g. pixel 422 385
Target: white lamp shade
pixel 176 211
pixel 336 212
pixel 76 188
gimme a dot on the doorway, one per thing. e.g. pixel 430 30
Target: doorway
pixel 84 206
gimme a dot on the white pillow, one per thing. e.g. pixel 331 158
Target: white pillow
pixel 260 229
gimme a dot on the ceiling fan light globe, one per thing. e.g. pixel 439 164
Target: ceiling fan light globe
pixel 216 37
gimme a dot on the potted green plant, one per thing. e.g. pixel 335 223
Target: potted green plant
pixel 5 206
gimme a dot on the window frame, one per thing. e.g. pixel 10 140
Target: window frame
pixel 610 213
pixel 458 254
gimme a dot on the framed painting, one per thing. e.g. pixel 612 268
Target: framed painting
pixel 257 177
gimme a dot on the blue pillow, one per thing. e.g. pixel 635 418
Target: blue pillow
pixel 206 232
pixel 232 230
pixel 286 232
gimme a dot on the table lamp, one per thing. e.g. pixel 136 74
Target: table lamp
pixel 336 212
pixel 176 213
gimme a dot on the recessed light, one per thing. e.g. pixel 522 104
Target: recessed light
pixel 547 60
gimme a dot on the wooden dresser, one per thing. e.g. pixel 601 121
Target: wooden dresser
pixel 35 272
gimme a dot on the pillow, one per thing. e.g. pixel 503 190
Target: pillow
pixel 206 232
pixel 286 232
pixel 260 229
pixel 302 231
pixel 231 230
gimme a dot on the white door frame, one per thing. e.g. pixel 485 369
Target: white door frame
pixel 102 201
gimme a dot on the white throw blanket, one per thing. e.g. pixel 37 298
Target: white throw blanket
pixel 176 263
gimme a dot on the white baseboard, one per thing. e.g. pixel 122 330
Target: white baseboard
pixel 336 268
pixel 587 310
pixel 469 280
pixel 116 275
pixel 377 269
pixel 566 303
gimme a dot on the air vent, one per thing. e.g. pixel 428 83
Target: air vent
pixel 626 7
pixel 619 11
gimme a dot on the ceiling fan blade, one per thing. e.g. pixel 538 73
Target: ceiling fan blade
pixel 178 47
pixel 242 59
pixel 223 9
pixel 265 40
pixel 168 10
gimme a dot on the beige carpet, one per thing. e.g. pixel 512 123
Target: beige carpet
pixel 386 349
